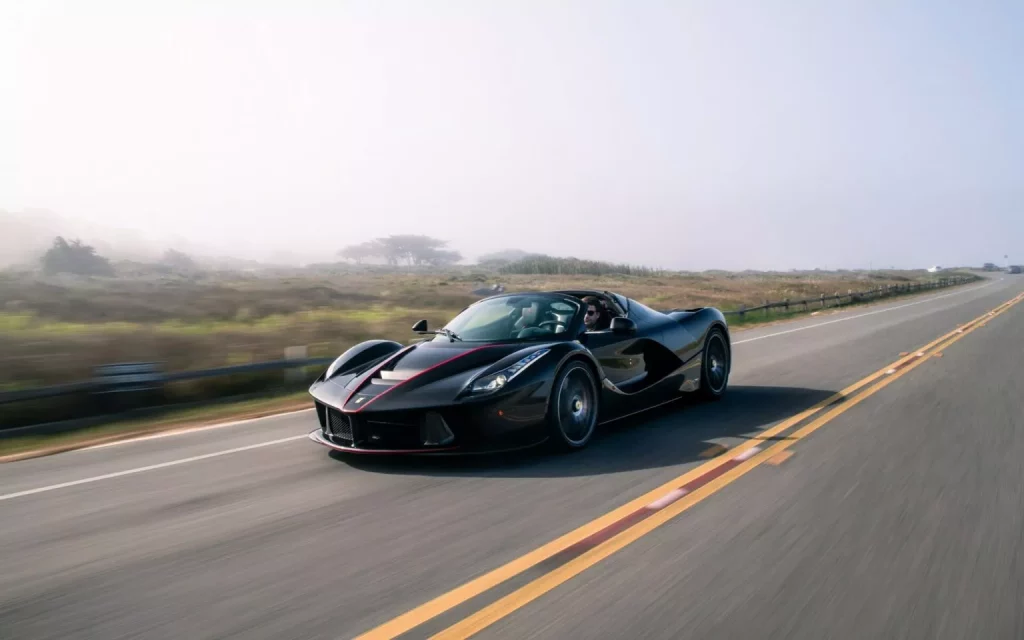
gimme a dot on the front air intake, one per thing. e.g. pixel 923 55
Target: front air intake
pixel 434 430
pixel 339 426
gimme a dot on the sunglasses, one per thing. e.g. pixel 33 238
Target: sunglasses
pixel 591 312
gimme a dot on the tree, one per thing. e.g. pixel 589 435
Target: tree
pixel 408 249
pixel 178 260
pixel 413 249
pixel 438 257
pixel 363 251
pixel 75 257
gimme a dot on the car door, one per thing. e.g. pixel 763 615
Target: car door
pixel 620 356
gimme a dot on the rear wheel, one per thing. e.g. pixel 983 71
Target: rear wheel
pixel 716 362
pixel 572 409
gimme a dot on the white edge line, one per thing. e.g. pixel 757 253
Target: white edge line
pixel 162 465
pixel 862 315
pixel 186 430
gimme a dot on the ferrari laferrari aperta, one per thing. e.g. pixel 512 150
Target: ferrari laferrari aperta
pixel 519 369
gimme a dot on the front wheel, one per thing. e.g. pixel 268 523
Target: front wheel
pixel 716 362
pixel 572 409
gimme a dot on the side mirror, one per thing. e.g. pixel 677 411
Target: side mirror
pixel 622 325
pixel 420 326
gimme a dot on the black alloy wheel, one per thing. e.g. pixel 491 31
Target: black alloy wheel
pixel 715 366
pixel 573 407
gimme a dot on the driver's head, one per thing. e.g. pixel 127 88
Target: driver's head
pixel 593 313
pixel 531 312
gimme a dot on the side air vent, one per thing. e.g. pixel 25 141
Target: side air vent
pixel 434 431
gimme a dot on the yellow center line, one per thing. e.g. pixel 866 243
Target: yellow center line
pixel 780 458
pixel 447 601
pixel 469 590
pixel 520 597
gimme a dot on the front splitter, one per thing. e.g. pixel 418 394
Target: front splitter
pixel 317 437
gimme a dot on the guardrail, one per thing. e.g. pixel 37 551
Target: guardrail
pixel 123 386
pixel 852 297
pixel 126 377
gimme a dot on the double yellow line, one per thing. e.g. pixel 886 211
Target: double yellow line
pixel 840 402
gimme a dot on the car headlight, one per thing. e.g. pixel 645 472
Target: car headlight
pixel 498 380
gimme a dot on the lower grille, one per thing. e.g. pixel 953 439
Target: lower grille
pixel 382 435
pixel 390 430
pixel 339 426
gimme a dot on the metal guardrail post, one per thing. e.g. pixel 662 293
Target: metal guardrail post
pixel 127 385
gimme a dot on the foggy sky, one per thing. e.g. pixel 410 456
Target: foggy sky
pixel 695 135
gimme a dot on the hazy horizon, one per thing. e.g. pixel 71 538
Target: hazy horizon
pixel 685 136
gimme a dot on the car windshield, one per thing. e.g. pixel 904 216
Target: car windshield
pixel 516 317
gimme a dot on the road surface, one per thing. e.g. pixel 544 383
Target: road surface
pixel 847 487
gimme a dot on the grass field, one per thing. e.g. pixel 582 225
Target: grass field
pixel 57 330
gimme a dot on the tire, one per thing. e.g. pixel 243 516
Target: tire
pixel 572 408
pixel 715 366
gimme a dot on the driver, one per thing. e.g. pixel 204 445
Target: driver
pixel 597 318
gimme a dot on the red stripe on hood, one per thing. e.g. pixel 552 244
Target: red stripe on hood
pixel 407 380
pixel 372 373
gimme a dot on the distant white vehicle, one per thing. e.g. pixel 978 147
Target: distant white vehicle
pixel 934 269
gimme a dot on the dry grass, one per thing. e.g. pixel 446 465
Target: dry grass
pixel 53 331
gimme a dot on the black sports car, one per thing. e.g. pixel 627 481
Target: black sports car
pixel 519 369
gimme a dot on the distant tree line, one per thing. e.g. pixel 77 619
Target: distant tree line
pixel 549 265
pixel 507 256
pixel 413 250
pixel 78 258
pixel 420 250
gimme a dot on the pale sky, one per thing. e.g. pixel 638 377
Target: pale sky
pixel 694 135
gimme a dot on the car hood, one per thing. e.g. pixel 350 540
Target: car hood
pixel 421 375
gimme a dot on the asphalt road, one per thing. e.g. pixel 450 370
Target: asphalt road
pixel 902 516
